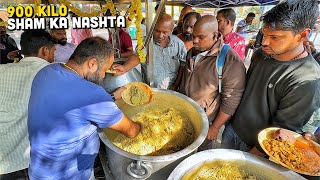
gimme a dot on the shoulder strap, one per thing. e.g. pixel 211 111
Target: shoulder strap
pixel 220 63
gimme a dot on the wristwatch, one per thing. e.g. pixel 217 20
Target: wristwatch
pixel 112 96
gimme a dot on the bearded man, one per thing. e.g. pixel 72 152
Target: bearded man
pixel 63 48
pixel 66 109
pixel 187 29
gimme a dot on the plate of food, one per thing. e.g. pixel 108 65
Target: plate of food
pixel 137 93
pixel 291 150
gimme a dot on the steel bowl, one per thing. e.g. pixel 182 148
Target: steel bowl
pixel 257 166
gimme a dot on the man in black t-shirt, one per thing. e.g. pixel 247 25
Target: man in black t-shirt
pixel 283 81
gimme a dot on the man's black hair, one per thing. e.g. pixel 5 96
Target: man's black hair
pixel 228 14
pixel 251 14
pixel 94 47
pixel 33 40
pixel 292 15
pixel 190 14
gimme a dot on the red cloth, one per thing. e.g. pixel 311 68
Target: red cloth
pixel 187 44
pixel 125 40
pixel 237 43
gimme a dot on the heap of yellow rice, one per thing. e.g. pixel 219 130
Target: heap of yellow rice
pixel 162 132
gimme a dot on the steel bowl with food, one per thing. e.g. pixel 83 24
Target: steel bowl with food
pixel 291 150
pixel 229 163
pixel 137 94
pixel 126 165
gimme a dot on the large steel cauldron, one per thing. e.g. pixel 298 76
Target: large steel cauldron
pixel 257 166
pixel 127 166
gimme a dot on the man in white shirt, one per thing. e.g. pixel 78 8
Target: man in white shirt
pixel 63 49
pixel 15 87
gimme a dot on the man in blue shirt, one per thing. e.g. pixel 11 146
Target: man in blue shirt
pixel 243 25
pixel 67 107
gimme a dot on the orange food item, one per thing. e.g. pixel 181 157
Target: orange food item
pixel 284 152
pixel 310 158
pixel 297 156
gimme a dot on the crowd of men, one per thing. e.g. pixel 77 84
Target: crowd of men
pixel 51 112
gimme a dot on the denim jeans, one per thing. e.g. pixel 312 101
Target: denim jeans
pixel 212 144
pixel 230 140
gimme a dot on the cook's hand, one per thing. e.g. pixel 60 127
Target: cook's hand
pixel 11 55
pixel 212 133
pixel 119 69
pixel 117 93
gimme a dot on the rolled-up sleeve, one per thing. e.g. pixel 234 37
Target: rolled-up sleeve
pixel 103 114
pixel 100 111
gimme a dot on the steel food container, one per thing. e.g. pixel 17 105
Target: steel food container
pixel 125 166
pixel 257 166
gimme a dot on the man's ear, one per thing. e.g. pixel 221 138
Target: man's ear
pixel 303 35
pixel 43 52
pixel 92 64
pixel 228 22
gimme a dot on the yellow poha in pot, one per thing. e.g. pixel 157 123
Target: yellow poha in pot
pixel 162 132
pixel 218 170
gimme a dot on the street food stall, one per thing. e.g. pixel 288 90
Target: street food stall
pixel 122 160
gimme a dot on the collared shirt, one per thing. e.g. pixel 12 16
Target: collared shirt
pixel 63 53
pixel 78 35
pixel 187 44
pixel 237 43
pixel 199 56
pixel 166 62
pixel 15 89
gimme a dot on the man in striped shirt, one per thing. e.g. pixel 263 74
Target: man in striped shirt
pixel 15 88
